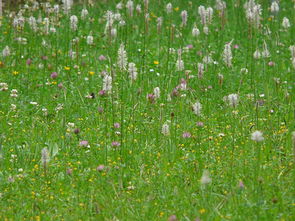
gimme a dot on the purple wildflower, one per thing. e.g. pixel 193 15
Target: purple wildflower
pixel 115 144
pixel 100 168
pixel 83 143
pixel 186 135
pixel 53 75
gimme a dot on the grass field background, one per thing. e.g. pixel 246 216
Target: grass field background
pixel 82 140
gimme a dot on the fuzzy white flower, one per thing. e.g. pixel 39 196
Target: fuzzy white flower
pixel 205 179
pixel 130 7
pixel 33 23
pixel 122 58
pixel 157 92
pixel 233 100
pixel 292 50
pixel 286 23
pixel 169 8
pixel 206 30
pixel 257 136
pixel 265 53
pixel 195 32
pixel 274 8
pixel 132 71
pixel 200 70
pixel 107 84
pixel 45 158
pixel 253 13
pixel 6 51
pixel 3 86
pixel 74 22
pixel 184 18
pixel 197 107
pixel 138 9
pixel 227 55
pixel 220 5
pixel 89 40
pixel 165 129
pixel 14 93
pixel 119 6
pixel 67 5
pixel 84 13
pixel 257 54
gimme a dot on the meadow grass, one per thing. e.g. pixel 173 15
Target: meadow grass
pixel 77 146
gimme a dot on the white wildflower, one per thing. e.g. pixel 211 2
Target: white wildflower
pixel 107 83
pixel 257 136
pixel 84 13
pixel 157 92
pixel 90 40
pixel 205 179
pixel 233 100
pixel 195 32
pixel 227 55
pixel 169 8
pixel 132 71
pixel 265 53
pixel 257 54
pixel 6 52
pixel 74 22
pixel 184 18
pixel 274 8
pixel 165 129
pixel 286 23
pixel 122 58
pixel 45 158
pixel 130 7
pixel 197 107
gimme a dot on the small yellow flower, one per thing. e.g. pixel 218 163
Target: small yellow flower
pixel 161 214
pixel 153 15
pixel 176 9
pixel 67 68
pixel 156 62
pixel 91 73
pixel 202 211
pixel 15 73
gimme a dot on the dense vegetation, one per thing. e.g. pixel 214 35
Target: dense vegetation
pixel 146 110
